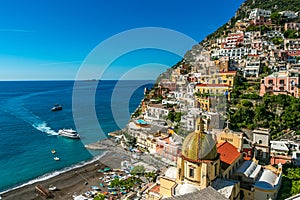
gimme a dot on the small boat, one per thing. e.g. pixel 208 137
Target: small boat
pixel 52 188
pixel 56 107
pixel 56 158
pixel 70 133
pixel 53 151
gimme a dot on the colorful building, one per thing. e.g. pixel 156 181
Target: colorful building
pixel 282 82
pixel 168 147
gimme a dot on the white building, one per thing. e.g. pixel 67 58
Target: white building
pixel 235 53
pixel 261 142
pixel 188 121
pixel 259 12
pixel 169 101
pixel 279 148
pixel 264 183
pixel 156 112
pixel 272 34
pixel 252 68
pixel 288 14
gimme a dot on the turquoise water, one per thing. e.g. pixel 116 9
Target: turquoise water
pixel 141 121
pixel 28 128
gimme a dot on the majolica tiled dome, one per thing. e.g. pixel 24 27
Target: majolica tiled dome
pixel 199 145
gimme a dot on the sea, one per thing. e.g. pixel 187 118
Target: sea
pixel 29 129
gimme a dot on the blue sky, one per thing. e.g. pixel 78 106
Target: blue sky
pixel 49 39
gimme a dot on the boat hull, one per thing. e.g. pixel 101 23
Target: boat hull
pixel 66 133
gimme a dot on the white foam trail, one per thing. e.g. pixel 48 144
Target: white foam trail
pixel 15 107
pixel 56 173
pixel 43 127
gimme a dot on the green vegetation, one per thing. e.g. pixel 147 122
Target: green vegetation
pixel 290 181
pixel 127 184
pixel 263 28
pixel 244 10
pixel 291 34
pixel 278 5
pixel 277 112
pixel 277 40
pixel 131 141
pixel 244 89
pixel 159 98
pixel 151 176
pixel 99 197
pixel 138 170
pixel 174 116
pixel 137 113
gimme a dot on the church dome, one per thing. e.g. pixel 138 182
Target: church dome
pixel 199 145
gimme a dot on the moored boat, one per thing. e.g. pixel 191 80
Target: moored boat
pixel 52 188
pixel 56 107
pixel 56 158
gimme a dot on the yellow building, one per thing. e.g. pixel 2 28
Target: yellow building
pixel 226 77
pixel 227 135
pixel 212 88
pixel 204 163
pixel 198 167
pixel 199 163
pixel 204 103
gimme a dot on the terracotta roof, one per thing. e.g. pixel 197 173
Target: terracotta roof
pixel 155 189
pixel 213 85
pixel 228 152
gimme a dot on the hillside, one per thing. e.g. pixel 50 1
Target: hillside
pixel 245 8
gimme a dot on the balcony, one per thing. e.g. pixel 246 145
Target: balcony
pixel 269 89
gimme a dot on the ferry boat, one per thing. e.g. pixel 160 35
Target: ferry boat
pixel 56 107
pixel 70 133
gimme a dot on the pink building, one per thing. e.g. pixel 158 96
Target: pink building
pixel 168 148
pixel 293 53
pixel 283 82
pixel 233 40
pixel 292 26
pixel 260 20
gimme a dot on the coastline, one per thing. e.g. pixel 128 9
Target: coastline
pixel 69 181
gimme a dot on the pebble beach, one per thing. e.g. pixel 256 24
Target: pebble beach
pixel 73 182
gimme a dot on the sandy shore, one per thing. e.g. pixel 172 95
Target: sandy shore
pixel 73 181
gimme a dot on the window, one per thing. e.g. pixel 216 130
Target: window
pixel 270 81
pixel 216 169
pixel 281 82
pixel 260 153
pixel 192 172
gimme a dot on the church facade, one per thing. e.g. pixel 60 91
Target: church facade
pixel 205 162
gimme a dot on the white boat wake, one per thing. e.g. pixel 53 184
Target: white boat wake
pixel 15 107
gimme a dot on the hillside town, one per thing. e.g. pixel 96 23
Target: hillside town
pixel 223 123
pixel 187 120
